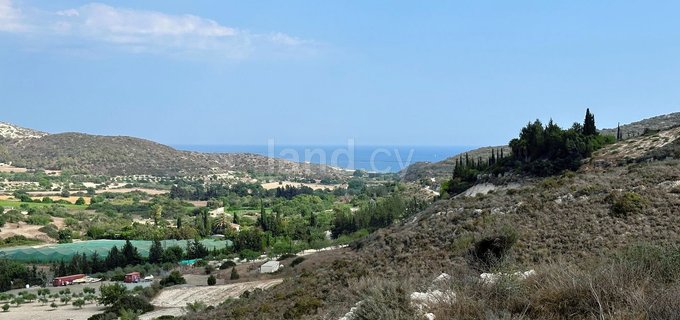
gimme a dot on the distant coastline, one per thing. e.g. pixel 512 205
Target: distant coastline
pixel 373 158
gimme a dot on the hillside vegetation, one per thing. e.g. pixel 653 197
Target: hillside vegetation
pixel 117 155
pixel 441 171
pixel 602 241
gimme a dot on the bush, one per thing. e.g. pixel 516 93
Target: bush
pixel 297 261
pixel 132 303
pixel 234 274
pixel 628 203
pixel 211 280
pixel 490 251
pixel 209 269
pixel 286 256
pixel 227 264
pixel 104 316
pixel 174 278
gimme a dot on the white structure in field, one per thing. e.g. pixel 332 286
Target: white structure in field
pixel 270 267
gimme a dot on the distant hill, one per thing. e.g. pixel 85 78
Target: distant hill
pixel 442 170
pixel 119 155
pixel 637 128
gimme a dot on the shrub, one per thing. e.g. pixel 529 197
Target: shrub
pixel 286 256
pixel 227 264
pixel 209 269
pixel 297 261
pixel 174 278
pixel 5 307
pixel 628 203
pixel 234 274
pixel 104 316
pixel 490 251
pixel 211 280
pixel 132 303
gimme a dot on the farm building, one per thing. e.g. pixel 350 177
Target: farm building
pixel 66 280
pixel 270 267
pixel 132 277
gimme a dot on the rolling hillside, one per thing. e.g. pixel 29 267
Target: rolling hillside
pixel 119 155
pixel 569 228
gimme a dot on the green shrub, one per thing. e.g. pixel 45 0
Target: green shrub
pixel 211 280
pixel 174 278
pixel 627 203
pixel 132 303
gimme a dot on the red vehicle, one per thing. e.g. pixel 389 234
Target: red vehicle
pixel 66 280
pixel 132 277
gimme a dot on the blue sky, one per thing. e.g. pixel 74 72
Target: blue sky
pixel 322 72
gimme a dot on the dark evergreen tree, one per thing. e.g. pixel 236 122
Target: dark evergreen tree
pixel 179 222
pixel 113 259
pixel 96 263
pixel 130 255
pixel 156 252
pixel 589 128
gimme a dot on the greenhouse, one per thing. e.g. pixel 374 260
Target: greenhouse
pixel 56 252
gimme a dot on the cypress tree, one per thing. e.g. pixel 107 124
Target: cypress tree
pixel 589 128
pixel 155 252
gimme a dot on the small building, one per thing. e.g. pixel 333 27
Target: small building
pixel 270 267
pixel 66 280
pixel 132 277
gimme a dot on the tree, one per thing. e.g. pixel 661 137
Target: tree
pixel 5 307
pixel 110 294
pixel 157 211
pixel 211 280
pixel 196 250
pixel 234 274
pixel 589 128
pixel 179 222
pixel 156 252
pixel 54 305
pixel 80 201
pixel 130 254
pixel 172 279
pixel 65 299
pixel 79 303
pixel 113 259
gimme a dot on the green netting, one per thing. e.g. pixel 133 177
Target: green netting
pixel 56 252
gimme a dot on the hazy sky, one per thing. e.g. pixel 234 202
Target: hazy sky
pixel 320 72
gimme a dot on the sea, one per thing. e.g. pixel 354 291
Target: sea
pixel 373 158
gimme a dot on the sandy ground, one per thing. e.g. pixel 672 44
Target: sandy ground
pixel 6 168
pixel 315 186
pixel 35 196
pixel 171 301
pixel 29 231
pixel 35 311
